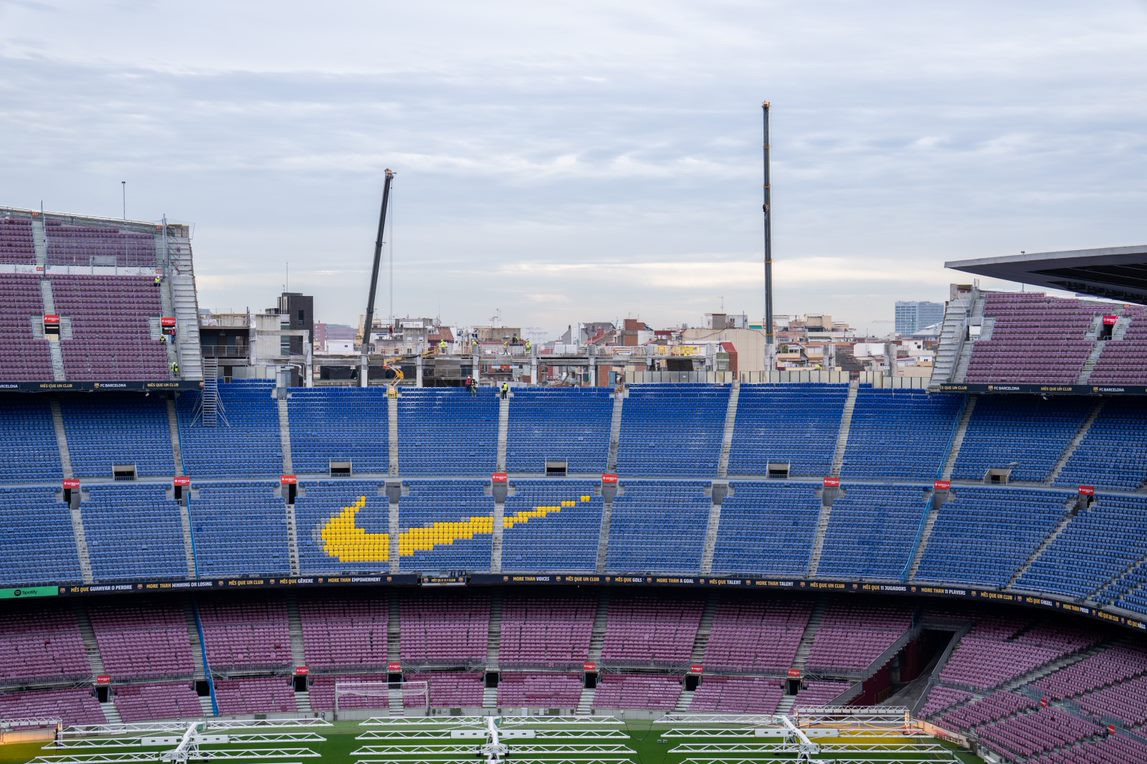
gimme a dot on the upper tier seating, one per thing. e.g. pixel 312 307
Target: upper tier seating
pixel 658 527
pixel 787 424
pixel 1035 339
pixel 99 245
pixel 27 440
pixel 669 430
pixel 23 358
pixel 37 544
pixel 538 538
pixel 445 525
pixel 872 532
pixel 339 424
pixel 16 243
pixel 1114 451
pixel 447 431
pixel 109 429
pixel 983 535
pixel 903 434
pixel 239 529
pixel 1124 361
pixel 133 532
pixel 559 423
pixel 1098 544
pixel 111 328
pixel 246 446
pixel 339 549
pixel 1025 431
pixel 767 528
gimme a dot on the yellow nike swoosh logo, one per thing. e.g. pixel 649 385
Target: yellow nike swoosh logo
pixel 346 542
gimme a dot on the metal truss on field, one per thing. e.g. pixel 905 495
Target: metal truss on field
pixel 535 720
pixel 145 741
pixel 536 734
pixel 752 749
pixel 456 749
pixel 212 725
pixel 131 757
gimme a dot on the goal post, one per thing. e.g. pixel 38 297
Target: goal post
pixel 381 696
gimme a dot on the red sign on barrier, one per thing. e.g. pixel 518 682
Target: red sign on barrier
pixel 942 485
pixel 832 482
pixel 103 680
pixel 609 478
pixel 794 673
pixel 288 480
pixel 589 666
pixel 181 480
pixel 302 671
pixel 1087 490
pixel 696 668
pixel 1110 320
pixel 51 318
pixel 394 667
pixel 167 321
pixel 72 483
pixel 1044 702
pixel 500 477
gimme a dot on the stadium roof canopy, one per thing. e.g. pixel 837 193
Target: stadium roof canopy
pixel 1113 273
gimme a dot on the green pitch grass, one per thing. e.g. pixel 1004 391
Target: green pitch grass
pixel 340 742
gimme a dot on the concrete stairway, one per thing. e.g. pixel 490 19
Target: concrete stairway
pixel 1091 362
pixel 925 536
pixel 111 713
pixel 54 350
pixel 704 630
pixel 958 437
pixel 1080 434
pixel 40 241
pixel 684 701
pixel 603 536
pixel 303 703
pixel 615 431
pixel 822 522
pixel 494 632
pixel 951 342
pixel 285 435
pixel 585 701
pixel 845 427
pixel 600 621
pixel 61 438
pixel 196 644
pixel 295 626
pixel 393 626
pixel 1043 545
pixel 490 697
pixel 503 430
pixel 392 433
pixel 813 626
pixel 727 437
pixel 205 706
pixel 711 531
pixel 91 646
pixel 181 278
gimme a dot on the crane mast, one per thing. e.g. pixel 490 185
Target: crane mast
pixel 368 323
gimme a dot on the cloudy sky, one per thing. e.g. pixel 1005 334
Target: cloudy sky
pixel 585 161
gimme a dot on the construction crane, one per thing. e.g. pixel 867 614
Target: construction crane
pixel 368 325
